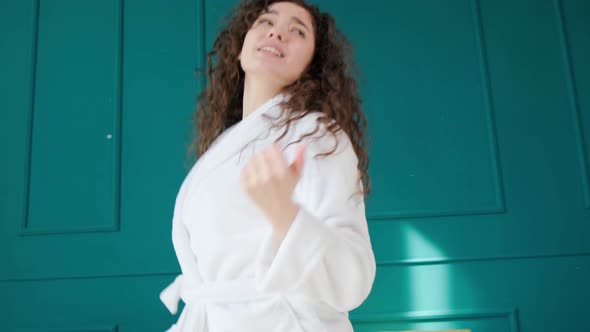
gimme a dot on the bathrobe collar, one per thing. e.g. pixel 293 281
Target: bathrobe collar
pixel 232 140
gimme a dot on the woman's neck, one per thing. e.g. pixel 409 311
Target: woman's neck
pixel 257 92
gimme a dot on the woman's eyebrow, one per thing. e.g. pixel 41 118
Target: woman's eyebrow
pixel 293 18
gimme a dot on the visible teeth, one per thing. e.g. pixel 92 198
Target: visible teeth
pixel 272 50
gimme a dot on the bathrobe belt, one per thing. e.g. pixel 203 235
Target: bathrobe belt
pixel 197 296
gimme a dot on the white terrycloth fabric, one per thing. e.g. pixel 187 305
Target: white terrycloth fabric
pixel 236 276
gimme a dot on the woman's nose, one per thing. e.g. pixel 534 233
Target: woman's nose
pixel 276 32
pixel 277 35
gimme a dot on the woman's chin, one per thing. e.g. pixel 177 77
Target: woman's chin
pixel 267 73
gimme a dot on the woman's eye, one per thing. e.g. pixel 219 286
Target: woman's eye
pixel 265 21
pixel 300 32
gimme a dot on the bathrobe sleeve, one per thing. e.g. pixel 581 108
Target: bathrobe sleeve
pixel 181 242
pixel 326 253
pixel 190 276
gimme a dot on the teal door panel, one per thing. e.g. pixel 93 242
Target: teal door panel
pixel 97 99
pixel 479 118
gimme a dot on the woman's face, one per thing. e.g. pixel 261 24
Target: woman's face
pixel 279 45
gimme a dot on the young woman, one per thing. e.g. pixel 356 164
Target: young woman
pixel 269 225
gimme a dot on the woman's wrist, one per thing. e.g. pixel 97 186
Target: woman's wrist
pixel 284 220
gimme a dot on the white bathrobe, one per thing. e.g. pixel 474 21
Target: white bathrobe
pixel 236 276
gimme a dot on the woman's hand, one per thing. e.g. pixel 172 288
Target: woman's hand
pixel 270 181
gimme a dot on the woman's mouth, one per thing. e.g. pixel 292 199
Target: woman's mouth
pixel 271 50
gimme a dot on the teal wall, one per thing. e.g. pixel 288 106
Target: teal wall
pixel 479 116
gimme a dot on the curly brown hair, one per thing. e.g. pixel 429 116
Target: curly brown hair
pixel 327 85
